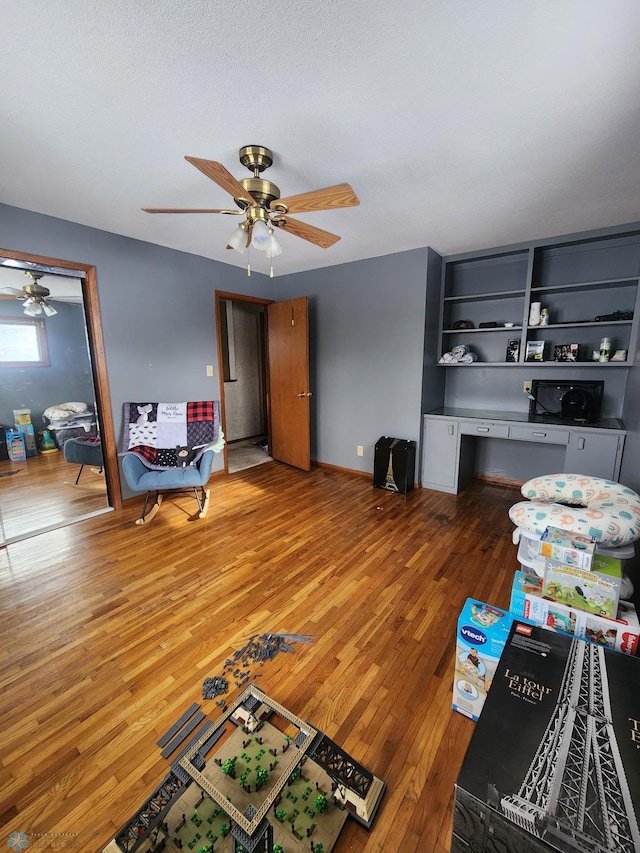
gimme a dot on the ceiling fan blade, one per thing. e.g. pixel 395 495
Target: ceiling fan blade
pixel 330 198
pixel 321 238
pixel 190 210
pixel 11 292
pixel 221 176
pixel 70 300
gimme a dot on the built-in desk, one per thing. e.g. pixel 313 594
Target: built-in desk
pixel 450 436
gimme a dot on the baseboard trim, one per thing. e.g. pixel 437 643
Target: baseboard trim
pixel 330 467
pixel 498 481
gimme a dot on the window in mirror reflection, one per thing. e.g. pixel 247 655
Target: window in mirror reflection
pixel 23 342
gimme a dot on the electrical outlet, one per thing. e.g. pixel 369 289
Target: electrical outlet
pixel 360 450
pixel 526 386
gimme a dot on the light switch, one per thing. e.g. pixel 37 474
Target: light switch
pixel 209 370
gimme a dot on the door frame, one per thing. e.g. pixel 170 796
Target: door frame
pixel 89 282
pixel 256 300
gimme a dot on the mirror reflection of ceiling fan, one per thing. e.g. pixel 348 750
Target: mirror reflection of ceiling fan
pixel 36 297
pixel 259 202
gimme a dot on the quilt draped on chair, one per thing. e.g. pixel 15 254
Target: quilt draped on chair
pixel 169 435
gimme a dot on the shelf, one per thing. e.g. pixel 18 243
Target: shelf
pixel 484 364
pixel 594 278
pixel 493 329
pixel 546 364
pixel 587 285
pixel 580 325
pixel 581 364
pixel 495 294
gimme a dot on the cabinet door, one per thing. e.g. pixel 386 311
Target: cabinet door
pixel 594 454
pixel 441 455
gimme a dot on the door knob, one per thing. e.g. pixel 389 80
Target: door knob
pixel 308 394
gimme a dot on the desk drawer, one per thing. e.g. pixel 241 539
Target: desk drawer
pixel 484 428
pixel 539 433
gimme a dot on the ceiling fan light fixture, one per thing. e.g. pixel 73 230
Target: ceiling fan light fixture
pixel 273 248
pixel 31 308
pixel 260 235
pixel 238 238
pixel 49 310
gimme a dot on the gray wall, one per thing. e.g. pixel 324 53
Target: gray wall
pixel 630 471
pixel 369 328
pixel 367 322
pixel 501 388
pixel 66 379
pixel 157 307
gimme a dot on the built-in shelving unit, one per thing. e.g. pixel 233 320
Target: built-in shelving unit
pixel 577 281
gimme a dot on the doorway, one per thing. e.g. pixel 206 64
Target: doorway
pixel 243 380
pixel 283 344
pixel 41 477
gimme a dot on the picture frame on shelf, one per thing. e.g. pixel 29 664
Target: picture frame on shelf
pixel 513 350
pixel 534 351
pixel 566 352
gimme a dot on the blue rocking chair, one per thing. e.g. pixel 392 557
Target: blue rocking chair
pixel 195 477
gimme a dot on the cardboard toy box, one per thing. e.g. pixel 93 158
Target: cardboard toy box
pixel 595 591
pixel 15 445
pixel 621 634
pixel 570 548
pixel 544 770
pixel 482 633
pixel 21 416
pixel 28 435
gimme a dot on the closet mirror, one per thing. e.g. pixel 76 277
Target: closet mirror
pixel 47 397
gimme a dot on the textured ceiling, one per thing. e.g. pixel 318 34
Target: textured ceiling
pixel 460 125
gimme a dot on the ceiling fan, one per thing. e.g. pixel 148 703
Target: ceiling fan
pixel 37 298
pixel 259 201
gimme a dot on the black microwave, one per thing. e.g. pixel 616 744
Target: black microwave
pixel 568 402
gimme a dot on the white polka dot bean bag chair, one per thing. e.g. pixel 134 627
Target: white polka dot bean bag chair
pixel 605 511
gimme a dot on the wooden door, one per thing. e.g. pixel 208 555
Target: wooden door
pixel 288 352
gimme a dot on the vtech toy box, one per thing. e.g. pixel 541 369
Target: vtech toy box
pixel 15 445
pixel 482 633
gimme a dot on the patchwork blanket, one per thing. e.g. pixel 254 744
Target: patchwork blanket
pixel 169 435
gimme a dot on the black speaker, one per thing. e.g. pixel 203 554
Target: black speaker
pixel 578 405
pixel 394 464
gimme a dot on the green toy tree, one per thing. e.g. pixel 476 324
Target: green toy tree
pixel 281 815
pixel 262 776
pixel 229 767
pixel 320 803
pixel 278 849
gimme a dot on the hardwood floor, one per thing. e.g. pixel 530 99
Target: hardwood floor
pixel 39 492
pixel 109 629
